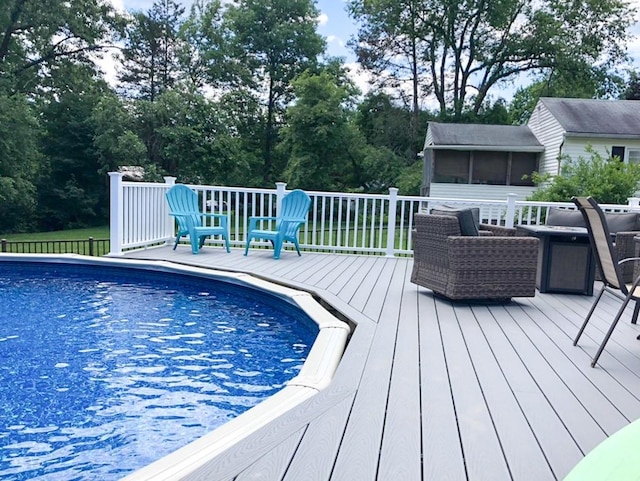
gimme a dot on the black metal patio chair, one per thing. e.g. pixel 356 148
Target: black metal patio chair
pixel 612 273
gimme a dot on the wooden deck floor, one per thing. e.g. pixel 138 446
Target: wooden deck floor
pixel 432 390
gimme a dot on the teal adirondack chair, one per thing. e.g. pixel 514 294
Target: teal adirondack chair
pixel 293 213
pixel 183 205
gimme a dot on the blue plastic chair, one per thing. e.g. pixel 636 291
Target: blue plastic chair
pixel 293 213
pixel 183 205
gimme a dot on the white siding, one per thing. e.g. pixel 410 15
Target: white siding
pixel 549 133
pixel 479 191
pixel 575 146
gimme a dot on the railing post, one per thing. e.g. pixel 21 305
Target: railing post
pixel 281 188
pixel 634 203
pixel 391 222
pixel 169 223
pixel 91 246
pixel 511 210
pixel 4 245
pixel 116 213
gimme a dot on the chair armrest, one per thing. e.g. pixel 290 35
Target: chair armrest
pixel 253 221
pixel 492 252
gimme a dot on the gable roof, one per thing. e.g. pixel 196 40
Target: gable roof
pixel 588 117
pixel 481 137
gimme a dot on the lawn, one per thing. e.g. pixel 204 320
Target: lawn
pixel 73 234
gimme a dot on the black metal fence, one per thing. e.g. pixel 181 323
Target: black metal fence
pixel 87 247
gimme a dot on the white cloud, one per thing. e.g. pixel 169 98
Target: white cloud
pixel 323 18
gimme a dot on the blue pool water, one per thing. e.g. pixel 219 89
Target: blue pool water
pixel 104 370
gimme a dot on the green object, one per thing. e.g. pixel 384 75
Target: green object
pixel 614 459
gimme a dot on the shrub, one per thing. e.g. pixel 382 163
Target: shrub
pixel 608 180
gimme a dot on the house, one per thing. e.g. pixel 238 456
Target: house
pixel 489 161
pixel 567 126
pixel 479 161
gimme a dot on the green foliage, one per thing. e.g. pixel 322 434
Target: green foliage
pixel 321 144
pixel 20 159
pixel 608 180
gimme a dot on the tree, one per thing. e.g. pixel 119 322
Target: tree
pixel 150 57
pixel 632 88
pixel 20 158
pixel 390 45
pixel 71 193
pixel 608 180
pixel 279 41
pixel 36 35
pixel 472 46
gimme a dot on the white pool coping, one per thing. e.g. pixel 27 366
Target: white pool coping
pixel 315 375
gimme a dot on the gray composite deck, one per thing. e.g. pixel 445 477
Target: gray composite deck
pixel 434 390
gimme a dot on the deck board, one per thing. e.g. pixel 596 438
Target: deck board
pixel 434 390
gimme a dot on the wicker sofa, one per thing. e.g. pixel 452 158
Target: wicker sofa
pixel 493 265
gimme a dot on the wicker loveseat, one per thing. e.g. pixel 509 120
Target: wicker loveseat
pixel 472 267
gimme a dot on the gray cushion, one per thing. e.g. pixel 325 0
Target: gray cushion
pixel 621 222
pixel 468 218
pixel 566 217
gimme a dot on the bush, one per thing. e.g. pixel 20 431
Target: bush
pixel 608 180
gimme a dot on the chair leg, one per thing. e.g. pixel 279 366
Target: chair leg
pixel 246 247
pixel 176 244
pixel 610 331
pixel 226 242
pixel 586 320
pixel 636 310
pixel 277 247
pixel 295 241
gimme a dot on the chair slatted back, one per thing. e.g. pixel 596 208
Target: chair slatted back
pixel 183 200
pixel 294 210
pixel 601 243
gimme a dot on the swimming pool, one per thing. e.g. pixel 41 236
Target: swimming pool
pixel 121 356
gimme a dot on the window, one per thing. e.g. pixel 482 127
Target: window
pixel 485 167
pixel 522 163
pixel 634 156
pixel 490 168
pixel 451 166
pixel 617 151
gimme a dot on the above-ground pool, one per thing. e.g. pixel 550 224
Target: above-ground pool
pixel 105 369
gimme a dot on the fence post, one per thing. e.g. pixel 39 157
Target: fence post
pixel 511 210
pixel 281 187
pixel 4 245
pixel 391 222
pixel 634 203
pixel 116 213
pixel 91 246
pixel 169 221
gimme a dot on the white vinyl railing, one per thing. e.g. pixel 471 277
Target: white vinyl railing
pixel 338 222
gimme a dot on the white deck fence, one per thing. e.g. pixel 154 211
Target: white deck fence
pixel 379 224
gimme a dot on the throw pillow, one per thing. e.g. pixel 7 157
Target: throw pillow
pixel 566 217
pixel 468 218
pixel 621 222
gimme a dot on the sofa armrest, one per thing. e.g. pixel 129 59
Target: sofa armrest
pixel 493 252
pixel 497 230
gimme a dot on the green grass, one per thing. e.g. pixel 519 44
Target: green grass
pixel 73 234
